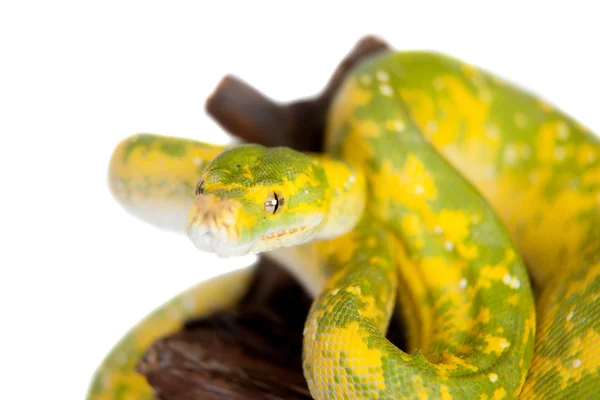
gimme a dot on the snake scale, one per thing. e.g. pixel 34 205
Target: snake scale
pixel 471 203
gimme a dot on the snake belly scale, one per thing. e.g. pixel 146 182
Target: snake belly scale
pixel 440 184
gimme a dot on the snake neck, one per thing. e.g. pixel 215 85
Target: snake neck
pixel 346 191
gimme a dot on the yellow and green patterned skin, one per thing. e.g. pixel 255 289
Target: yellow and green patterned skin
pixel 540 171
pixel 412 140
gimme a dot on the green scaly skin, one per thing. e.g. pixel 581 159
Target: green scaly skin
pixel 416 137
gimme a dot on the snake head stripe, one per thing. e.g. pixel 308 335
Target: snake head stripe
pixel 252 199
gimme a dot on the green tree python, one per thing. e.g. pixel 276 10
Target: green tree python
pixel 442 187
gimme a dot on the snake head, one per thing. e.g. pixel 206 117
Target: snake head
pixel 252 199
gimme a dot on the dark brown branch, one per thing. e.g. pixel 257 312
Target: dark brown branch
pixel 246 113
pixel 249 115
pixel 251 352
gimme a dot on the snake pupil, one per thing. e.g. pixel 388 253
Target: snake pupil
pixel 274 203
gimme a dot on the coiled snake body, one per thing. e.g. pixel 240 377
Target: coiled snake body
pixel 438 182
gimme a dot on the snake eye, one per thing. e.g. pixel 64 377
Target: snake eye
pixel 200 187
pixel 274 203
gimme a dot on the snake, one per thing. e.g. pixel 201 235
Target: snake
pixel 468 202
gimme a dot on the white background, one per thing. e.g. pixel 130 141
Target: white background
pixel 76 271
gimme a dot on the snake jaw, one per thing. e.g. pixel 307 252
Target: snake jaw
pixel 286 236
pixel 212 226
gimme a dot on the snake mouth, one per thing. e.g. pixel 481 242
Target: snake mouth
pixel 291 235
pixel 282 234
pixel 212 226
pixel 280 238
